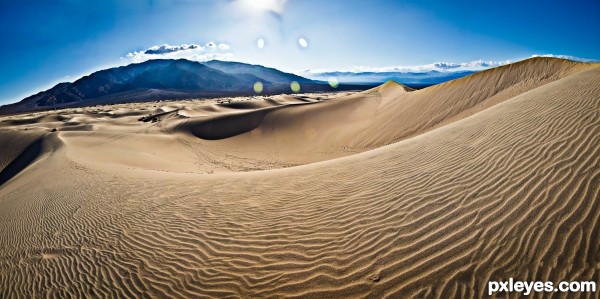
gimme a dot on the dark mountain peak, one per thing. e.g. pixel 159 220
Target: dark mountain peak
pixel 265 73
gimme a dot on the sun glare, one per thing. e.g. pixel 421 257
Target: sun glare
pixel 259 6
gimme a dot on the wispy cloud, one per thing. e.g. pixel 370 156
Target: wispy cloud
pixel 476 65
pixel 195 52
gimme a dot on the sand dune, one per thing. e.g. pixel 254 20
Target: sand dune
pixel 428 193
pixel 392 112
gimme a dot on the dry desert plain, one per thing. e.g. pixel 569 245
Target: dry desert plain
pixel 389 192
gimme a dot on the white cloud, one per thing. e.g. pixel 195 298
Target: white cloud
pixel 195 52
pixel 169 49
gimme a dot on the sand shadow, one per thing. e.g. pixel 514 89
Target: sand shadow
pixel 225 126
pixel 28 156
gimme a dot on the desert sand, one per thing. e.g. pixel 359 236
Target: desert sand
pixel 389 192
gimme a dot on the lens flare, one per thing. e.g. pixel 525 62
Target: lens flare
pixel 260 43
pixel 303 42
pixel 258 87
pixel 333 82
pixel 295 86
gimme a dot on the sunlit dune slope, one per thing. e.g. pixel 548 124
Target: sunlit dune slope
pixel 392 112
pixel 466 195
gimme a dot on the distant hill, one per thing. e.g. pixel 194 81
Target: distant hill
pixel 167 79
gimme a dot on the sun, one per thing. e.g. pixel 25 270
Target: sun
pixel 259 6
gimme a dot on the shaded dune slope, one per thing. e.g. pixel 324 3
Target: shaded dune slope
pixel 20 149
pixel 241 117
pixel 13 143
pixel 511 191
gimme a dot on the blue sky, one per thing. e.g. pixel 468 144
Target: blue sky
pixel 46 42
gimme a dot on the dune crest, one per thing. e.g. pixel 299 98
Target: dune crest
pixel 390 88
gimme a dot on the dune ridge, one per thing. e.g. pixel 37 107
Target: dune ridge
pixel 382 115
pixel 512 190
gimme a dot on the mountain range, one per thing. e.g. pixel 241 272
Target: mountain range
pixel 165 79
